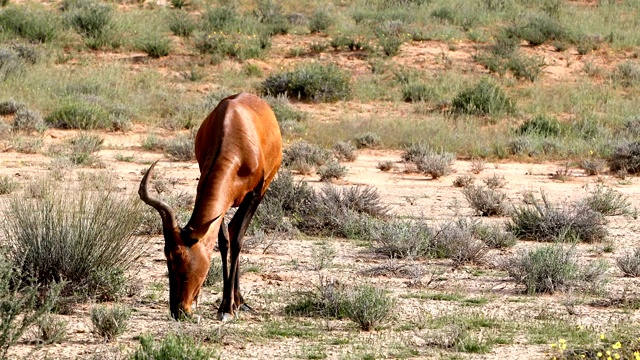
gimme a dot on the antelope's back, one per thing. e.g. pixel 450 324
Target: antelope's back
pixel 242 130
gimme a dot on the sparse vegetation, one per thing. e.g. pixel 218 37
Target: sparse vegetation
pixel 629 263
pixel 368 306
pixel 314 82
pixel 485 201
pixel 173 346
pixel 485 98
pixel 80 236
pixel 110 322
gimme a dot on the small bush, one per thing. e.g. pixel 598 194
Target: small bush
pixel 172 347
pixel 181 148
pixel 322 256
pixel 396 238
pixel 320 21
pixel 607 202
pixel 238 45
pixel 552 268
pixel 544 222
pixel 7 185
pixel 463 181
pixel 477 166
pixel 181 23
pixel 291 120
pixel 345 151
pixel 629 264
pixel 496 237
pixel 525 67
pixel 79 149
pixel 50 330
pixel 593 166
pixel 541 125
pixel 546 269
pixel 495 182
pixel 77 114
pixel 484 98
pixel 24 303
pixel 390 45
pixel 10 107
pixel 91 19
pixel 314 82
pixel 306 152
pixel 11 65
pixel 155 45
pixel 35 25
pixel 26 144
pixel 538 29
pixel 416 92
pixel 627 74
pixel 416 151
pixel 328 300
pixel 436 164
pixel 332 170
pixel 28 120
pixel 81 235
pixel 367 140
pixel 626 156
pixel 457 240
pixel 109 323
pixel 214 275
pixel 386 165
pixel 368 306
pixel 485 201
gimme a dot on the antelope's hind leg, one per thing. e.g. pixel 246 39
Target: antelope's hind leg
pixel 232 300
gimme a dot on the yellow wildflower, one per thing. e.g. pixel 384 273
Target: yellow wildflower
pixel 599 354
pixel 616 356
pixel 617 345
pixel 601 336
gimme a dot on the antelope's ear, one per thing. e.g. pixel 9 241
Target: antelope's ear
pixel 190 236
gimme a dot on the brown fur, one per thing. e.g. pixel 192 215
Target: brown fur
pixel 239 151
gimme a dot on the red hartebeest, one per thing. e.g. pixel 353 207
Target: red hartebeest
pixel 239 151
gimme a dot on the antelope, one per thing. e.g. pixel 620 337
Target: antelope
pixel 239 150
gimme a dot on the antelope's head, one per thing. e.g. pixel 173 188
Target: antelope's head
pixel 187 258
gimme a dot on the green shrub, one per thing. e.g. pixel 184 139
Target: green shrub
pixel 457 240
pixel 345 151
pixel 82 236
pixel 219 19
pixel 291 120
pixel 37 25
pixel 541 125
pixel 368 140
pixel 172 347
pixel 525 67
pixel 552 268
pixel 314 82
pixel 271 13
pixel 627 73
pixel 332 170
pixel 328 299
pixel 484 98
pixel 538 29
pixel 78 114
pixel 368 306
pixel 26 144
pixel 10 107
pixel 496 237
pixel 625 157
pixel 416 92
pixel 7 185
pixel 305 152
pixel 50 330
pixel 320 21
pixel 545 222
pixel 155 45
pixel 91 19
pixel 80 148
pixel 28 120
pixel 485 201
pixel 214 275
pixel 11 65
pixel 181 23
pixel 607 202
pixel 436 164
pixel 238 45
pixel 629 264
pixel 390 44
pixel 110 322
pixel 181 148
pixel 400 238
pixel 22 304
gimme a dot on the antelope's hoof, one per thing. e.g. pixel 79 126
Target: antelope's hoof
pixel 224 317
pixel 247 308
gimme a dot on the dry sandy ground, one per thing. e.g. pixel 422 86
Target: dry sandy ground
pixel 282 266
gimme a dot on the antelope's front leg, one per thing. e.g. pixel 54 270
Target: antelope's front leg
pixel 223 245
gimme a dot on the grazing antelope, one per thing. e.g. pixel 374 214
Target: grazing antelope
pixel 239 151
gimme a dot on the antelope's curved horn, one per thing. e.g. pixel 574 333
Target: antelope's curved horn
pixel 167 215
